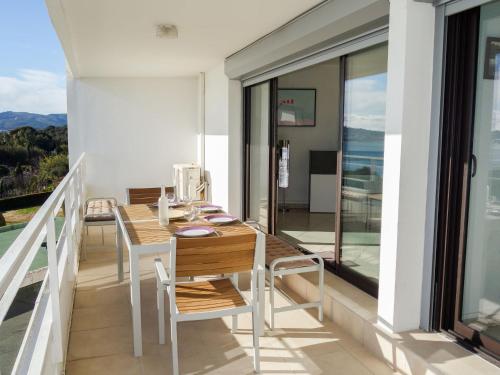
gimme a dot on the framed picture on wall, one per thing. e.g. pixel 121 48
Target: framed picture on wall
pixel 490 58
pixel 296 107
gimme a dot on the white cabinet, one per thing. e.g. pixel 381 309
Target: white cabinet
pixel 323 194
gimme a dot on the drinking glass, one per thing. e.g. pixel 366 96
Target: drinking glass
pixel 190 212
pixel 171 197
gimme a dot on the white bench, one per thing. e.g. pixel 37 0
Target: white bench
pixel 98 212
pixel 283 259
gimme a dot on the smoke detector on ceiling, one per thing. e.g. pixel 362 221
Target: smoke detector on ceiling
pixel 166 31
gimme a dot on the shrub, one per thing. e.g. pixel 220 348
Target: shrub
pixel 4 170
pixel 52 169
pixel 13 155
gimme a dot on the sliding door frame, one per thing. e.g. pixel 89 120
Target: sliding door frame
pixel 353 277
pixel 456 148
pixel 273 130
pixel 341 51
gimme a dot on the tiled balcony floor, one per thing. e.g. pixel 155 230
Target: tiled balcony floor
pixel 101 333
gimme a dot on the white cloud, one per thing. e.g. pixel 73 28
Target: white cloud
pixel 365 103
pixel 34 91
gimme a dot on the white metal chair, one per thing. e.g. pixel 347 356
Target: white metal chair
pixel 215 298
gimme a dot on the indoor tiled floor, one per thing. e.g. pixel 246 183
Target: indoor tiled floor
pixel 101 333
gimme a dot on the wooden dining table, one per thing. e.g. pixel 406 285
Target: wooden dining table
pixel 137 228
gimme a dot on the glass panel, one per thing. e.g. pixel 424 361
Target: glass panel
pixel 259 154
pixel 363 160
pixel 481 292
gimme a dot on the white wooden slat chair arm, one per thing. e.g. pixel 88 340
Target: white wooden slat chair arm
pixel 162 273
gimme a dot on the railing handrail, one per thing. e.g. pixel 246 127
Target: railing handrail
pixel 359 156
pixel 16 252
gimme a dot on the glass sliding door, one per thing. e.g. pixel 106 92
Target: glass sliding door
pixel 258 99
pixel 365 77
pixel 480 310
pixel 467 301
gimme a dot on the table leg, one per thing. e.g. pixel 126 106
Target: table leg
pixel 119 252
pixel 135 286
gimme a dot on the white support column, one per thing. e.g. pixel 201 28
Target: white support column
pixel 406 158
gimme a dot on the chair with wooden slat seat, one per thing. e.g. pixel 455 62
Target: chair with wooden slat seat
pixel 146 195
pixel 215 298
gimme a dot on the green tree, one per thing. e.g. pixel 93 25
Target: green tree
pixel 52 169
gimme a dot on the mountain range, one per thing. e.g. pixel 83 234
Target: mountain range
pixel 13 120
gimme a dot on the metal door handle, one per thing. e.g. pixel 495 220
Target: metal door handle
pixel 473 160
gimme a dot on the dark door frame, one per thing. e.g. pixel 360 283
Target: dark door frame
pixel 353 277
pixel 272 177
pixel 457 129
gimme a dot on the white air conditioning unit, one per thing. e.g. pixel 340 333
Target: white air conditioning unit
pixel 188 181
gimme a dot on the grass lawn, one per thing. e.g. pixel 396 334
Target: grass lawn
pixel 23 215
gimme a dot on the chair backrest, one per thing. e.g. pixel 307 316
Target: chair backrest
pixel 215 255
pixel 146 195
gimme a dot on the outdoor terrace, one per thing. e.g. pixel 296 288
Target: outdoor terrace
pixel 101 332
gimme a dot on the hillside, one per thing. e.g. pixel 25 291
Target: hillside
pixel 13 120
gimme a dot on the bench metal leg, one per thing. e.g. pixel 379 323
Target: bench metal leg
pixel 321 293
pixel 271 298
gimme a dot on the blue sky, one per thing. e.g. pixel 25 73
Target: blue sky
pixel 32 63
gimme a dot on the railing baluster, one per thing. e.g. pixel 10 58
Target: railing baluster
pixel 69 231
pixel 54 289
pixel 76 197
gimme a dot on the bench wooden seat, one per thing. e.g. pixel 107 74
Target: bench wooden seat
pixel 276 248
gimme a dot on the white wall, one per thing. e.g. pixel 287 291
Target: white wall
pixel 216 134
pixel 324 136
pixel 223 139
pixel 132 130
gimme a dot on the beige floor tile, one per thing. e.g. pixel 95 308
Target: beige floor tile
pixel 102 316
pixel 100 342
pixel 113 364
pixel 105 295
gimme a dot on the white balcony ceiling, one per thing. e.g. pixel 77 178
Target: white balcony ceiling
pixel 117 38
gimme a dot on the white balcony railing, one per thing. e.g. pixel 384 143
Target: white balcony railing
pixel 45 341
